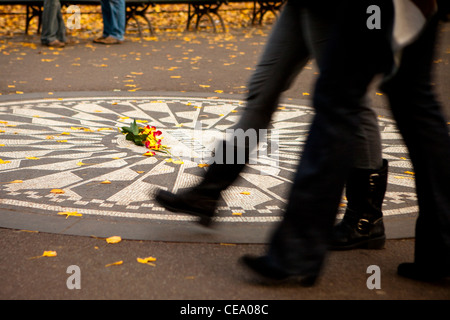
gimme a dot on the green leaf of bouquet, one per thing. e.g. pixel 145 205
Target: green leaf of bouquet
pixel 134 128
pixel 130 136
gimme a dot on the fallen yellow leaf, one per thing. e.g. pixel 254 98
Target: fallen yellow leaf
pixel 245 192
pixel 202 165
pixel 16 181
pixel 57 191
pixel 70 213
pixel 49 254
pixel 32 158
pixel 117 263
pixel 4 161
pixel 114 239
pixel 46 254
pixel 147 260
pixel 105 182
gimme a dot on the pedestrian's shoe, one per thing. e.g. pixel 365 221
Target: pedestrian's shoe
pixel 419 272
pixel 55 44
pixel 189 202
pixel 269 273
pixel 362 225
pixel 108 40
pixel 99 39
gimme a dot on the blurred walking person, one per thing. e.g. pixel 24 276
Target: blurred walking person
pixel 296 38
pixel 356 54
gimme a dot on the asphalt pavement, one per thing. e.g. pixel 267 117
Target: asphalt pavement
pixel 176 64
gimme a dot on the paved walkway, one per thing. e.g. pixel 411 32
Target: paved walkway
pixel 60 111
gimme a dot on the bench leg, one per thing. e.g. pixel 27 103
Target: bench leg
pixel 134 11
pixel 33 11
pixel 265 7
pixel 201 10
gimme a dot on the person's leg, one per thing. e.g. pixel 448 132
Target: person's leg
pixel 353 56
pixel 50 21
pixel 284 56
pixel 61 33
pixel 118 19
pixel 421 122
pixel 108 20
pixel 362 225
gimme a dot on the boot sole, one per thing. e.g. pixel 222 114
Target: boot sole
pixel 203 219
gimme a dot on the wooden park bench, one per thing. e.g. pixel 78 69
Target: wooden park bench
pixel 197 9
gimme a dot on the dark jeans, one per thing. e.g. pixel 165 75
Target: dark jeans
pixel 353 56
pixel 300 35
pixel 114 20
pixel 53 27
pixel 424 129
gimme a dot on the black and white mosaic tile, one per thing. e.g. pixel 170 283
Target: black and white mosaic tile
pixel 74 144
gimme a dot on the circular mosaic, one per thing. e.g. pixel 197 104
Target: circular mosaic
pixel 67 155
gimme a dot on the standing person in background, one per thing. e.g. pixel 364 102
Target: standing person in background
pixel 53 28
pixel 114 21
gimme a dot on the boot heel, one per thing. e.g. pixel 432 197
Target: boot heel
pixel 377 243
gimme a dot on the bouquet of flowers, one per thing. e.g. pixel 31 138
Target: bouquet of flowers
pixel 147 136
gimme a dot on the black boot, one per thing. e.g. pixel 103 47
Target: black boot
pixel 362 225
pixel 201 200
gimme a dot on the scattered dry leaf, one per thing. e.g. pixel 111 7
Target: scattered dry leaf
pixel 147 260
pixel 117 263
pixel 57 191
pixel 70 213
pixel 114 239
